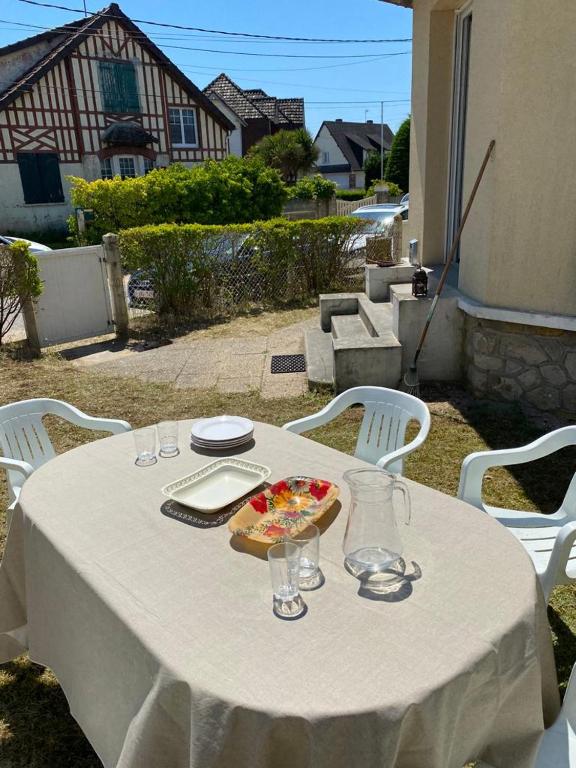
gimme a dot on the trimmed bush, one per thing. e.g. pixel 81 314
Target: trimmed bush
pixel 19 280
pixel 394 189
pixel 208 270
pixel 232 191
pixel 351 194
pixel 312 188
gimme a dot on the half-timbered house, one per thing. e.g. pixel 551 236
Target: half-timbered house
pixel 96 98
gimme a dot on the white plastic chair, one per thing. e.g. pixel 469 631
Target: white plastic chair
pixel 558 745
pixel 24 442
pixel 383 429
pixel 548 539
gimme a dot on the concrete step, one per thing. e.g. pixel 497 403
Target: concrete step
pixel 319 358
pixel 349 327
pixel 441 356
pixel 377 317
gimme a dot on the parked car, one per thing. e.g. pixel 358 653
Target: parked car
pixel 34 247
pixel 378 219
pixel 406 199
pixel 140 286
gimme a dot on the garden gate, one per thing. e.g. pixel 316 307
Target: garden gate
pixel 75 301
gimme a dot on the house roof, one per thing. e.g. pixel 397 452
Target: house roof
pixel 256 103
pixel 233 96
pixel 403 3
pixel 70 36
pixel 355 138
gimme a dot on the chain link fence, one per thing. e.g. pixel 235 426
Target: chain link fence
pixel 180 271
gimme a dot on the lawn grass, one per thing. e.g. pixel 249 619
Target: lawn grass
pixel 36 729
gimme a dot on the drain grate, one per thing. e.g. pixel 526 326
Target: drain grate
pixel 288 364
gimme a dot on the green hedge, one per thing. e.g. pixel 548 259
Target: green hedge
pixel 351 194
pixel 393 189
pixel 207 270
pixel 312 188
pixel 234 190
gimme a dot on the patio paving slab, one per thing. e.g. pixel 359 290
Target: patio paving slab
pixel 227 364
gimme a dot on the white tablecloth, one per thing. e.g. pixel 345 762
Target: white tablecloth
pixel 163 638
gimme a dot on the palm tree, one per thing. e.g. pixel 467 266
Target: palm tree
pixel 291 152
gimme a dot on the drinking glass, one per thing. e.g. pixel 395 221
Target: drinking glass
pixel 145 440
pixel 310 575
pixel 284 560
pixel 168 438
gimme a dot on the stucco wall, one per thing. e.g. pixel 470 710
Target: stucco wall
pixel 326 143
pixel 343 179
pixel 17 217
pixel 519 246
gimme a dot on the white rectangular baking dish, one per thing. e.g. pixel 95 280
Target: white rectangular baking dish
pixel 217 484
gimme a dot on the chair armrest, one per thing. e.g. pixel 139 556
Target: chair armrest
pixel 475 465
pixel 559 558
pixel 329 412
pixel 14 465
pixel 80 419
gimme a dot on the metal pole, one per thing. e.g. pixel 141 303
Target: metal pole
pixel 381 140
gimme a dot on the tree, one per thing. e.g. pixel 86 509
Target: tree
pixel 19 281
pixel 398 165
pixel 371 167
pixel 290 152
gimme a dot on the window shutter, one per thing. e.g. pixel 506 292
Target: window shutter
pixel 119 87
pixel 29 177
pixel 40 176
pixel 49 172
pixel 107 86
pixel 129 88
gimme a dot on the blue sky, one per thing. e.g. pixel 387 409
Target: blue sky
pixel 358 82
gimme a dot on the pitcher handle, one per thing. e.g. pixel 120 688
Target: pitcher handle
pixel 401 486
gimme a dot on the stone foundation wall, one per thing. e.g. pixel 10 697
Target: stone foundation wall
pixel 520 362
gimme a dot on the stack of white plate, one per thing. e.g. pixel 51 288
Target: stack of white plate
pixel 222 432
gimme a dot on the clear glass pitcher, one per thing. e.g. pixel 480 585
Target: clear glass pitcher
pixel 372 542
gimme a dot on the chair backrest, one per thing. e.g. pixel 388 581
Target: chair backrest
pixel 387 414
pixel 23 435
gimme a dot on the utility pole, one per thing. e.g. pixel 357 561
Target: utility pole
pixel 381 140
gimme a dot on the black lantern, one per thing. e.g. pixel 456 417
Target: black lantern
pixel 420 283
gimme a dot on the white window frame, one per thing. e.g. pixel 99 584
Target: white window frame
pixel 182 133
pixel 325 158
pixel 460 89
pixel 139 165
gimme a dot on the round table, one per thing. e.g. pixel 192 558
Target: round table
pixel 163 638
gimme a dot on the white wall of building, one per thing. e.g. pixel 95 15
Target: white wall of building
pixel 235 137
pixel 16 217
pixel 343 179
pixel 325 143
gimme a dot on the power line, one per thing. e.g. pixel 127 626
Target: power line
pixel 347 56
pixel 395 102
pixel 140 39
pixel 224 32
pixel 32 27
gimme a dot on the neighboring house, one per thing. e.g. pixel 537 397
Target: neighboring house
pixel 486 70
pixel 253 112
pixel 343 147
pixel 94 99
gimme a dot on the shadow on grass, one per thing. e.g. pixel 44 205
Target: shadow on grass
pixel 36 728
pixel 504 425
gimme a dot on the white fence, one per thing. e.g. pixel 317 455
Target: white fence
pixel 345 207
pixel 75 300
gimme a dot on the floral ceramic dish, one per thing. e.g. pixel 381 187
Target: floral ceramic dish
pixel 284 509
